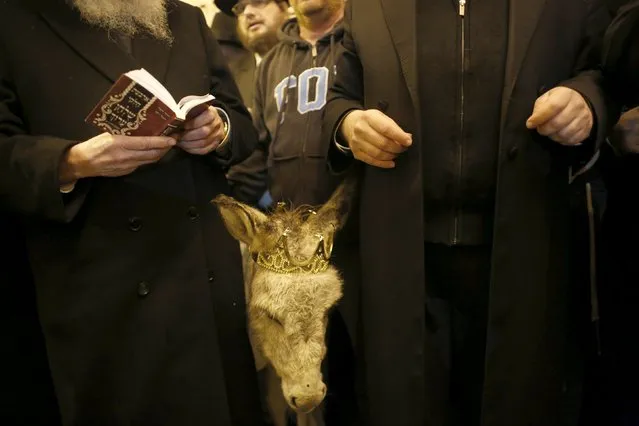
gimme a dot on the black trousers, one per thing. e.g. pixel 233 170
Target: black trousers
pixel 457 287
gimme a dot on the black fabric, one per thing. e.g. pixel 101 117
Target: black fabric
pixel 26 389
pixel 241 61
pixel 534 359
pixel 460 152
pixel 621 53
pixel 139 285
pixel 457 284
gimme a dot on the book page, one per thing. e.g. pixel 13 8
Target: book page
pixel 188 103
pixel 150 83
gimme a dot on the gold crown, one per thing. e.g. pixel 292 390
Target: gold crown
pixel 279 259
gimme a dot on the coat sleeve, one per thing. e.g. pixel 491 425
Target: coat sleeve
pixel 29 164
pixel 588 77
pixel 345 94
pixel 227 96
pixel 249 179
pixel 621 54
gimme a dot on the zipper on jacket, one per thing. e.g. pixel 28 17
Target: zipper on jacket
pixel 303 162
pixel 313 63
pixel 460 148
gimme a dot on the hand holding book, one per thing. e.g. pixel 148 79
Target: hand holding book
pixel 204 133
pixel 139 105
pixel 112 156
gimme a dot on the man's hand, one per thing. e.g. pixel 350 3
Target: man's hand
pixel 624 137
pixel 374 138
pixel 563 115
pixel 203 133
pixel 112 155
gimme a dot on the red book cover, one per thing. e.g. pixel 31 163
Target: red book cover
pixel 130 109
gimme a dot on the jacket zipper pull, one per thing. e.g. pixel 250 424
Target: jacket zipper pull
pixel 462 8
pixel 314 53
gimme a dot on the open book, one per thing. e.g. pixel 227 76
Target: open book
pixel 139 105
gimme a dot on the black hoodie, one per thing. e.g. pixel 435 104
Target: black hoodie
pixel 291 157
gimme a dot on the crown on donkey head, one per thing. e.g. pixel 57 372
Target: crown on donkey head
pixel 279 258
pixel 267 237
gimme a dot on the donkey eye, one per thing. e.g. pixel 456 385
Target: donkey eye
pixel 273 318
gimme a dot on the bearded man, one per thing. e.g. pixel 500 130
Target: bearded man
pixel 246 31
pixel 139 286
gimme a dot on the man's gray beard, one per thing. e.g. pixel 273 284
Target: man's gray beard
pixel 127 17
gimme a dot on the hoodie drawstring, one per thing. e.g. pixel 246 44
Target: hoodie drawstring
pixel 333 65
pixel 281 114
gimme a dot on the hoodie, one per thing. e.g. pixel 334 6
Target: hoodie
pixel 291 88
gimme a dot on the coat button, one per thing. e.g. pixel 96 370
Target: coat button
pixel 512 152
pixel 210 277
pixel 135 224
pixel 143 289
pixel 192 213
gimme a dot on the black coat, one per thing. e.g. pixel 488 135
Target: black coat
pixel 139 285
pixel 534 358
pixel 240 60
pixel 24 368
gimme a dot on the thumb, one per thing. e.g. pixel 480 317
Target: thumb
pixel 546 107
pixel 542 111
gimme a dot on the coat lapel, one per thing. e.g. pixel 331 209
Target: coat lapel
pixel 523 19
pixel 91 43
pixel 400 19
pixel 99 50
pixel 153 54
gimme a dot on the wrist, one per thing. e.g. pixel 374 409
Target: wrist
pixel 72 165
pixel 345 131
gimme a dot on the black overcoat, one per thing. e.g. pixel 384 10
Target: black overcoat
pixel 139 285
pixel 534 363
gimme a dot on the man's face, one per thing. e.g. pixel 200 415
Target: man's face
pixel 309 8
pixel 258 24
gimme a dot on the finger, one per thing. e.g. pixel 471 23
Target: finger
pixel 546 107
pixel 387 127
pixel 203 132
pixel 568 131
pixel 366 135
pixel 147 156
pixel 201 151
pixel 197 144
pixel 119 172
pixel 374 152
pixel 144 143
pixel 557 123
pixel 579 137
pixel 207 116
pixel 362 156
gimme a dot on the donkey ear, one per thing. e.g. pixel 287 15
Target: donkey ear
pixel 242 221
pixel 338 207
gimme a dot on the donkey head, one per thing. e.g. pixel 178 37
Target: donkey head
pixel 292 288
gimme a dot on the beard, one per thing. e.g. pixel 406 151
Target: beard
pixel 127 17
pixel 260 44
pixel 305 12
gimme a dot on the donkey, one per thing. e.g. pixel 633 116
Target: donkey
pixel 291 286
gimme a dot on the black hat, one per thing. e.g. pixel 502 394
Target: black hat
pixel 226 6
